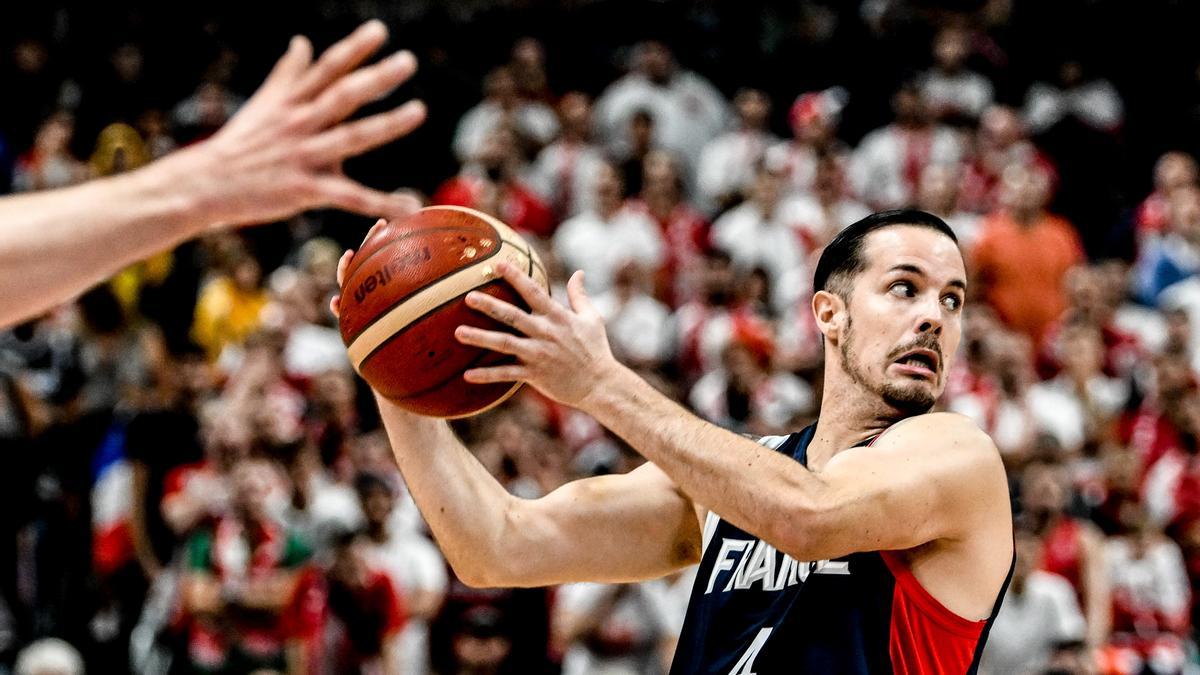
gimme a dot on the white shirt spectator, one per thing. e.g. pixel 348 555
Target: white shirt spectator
pixel 531 120
pixel 1155 583
pixel 638 327
pixel 1057 409
pixel 728 162
pixel 1096 103
pixel 564 174
pixel 639 619
pixel 687 112
pixel 411 562
pixel 1030 623
pixel 775 402
pixel 598 247
pixel 312 350
pixel 799 162
pixel 965 91
pixel 818 225
pixel 1184 295
pixel 887 165
pixel 773 243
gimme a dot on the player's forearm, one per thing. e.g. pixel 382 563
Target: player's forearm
pixel 466 508
pixel 751 486
pixel 56 244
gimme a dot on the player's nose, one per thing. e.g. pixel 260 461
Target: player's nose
pixel 929 317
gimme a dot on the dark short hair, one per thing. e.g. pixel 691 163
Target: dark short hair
pixel 842 258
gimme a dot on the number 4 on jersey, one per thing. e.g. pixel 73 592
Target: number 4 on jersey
pixel 745 665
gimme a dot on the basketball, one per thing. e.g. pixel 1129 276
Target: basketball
pixel 403 296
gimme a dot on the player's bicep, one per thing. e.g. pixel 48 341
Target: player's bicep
pixel 926 480
pixel 624 527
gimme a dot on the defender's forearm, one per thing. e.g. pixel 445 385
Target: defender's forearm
pixel 56 244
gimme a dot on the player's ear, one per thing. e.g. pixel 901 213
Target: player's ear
pixel 828 309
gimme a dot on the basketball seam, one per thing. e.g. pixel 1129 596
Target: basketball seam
pixel 349 340
pixel 470 364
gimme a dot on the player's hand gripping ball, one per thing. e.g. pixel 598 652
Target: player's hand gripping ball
pixel 402 299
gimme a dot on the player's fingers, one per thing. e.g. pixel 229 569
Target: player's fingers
pixel 345 194
pixel 350 93
pixel 506 313
pixel 340 59
pixel 505 343
pixel 496 374
pixel 578 297
pixel 534 295
pixel 344 264
pixel 354 138
pixel 289 66
pixel 335 306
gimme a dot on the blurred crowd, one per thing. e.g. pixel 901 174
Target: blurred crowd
pixel 197 482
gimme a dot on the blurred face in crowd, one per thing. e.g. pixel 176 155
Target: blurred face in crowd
pixel 247 274
pixel 575 115
pixel 1179 332
pixel 641 131
pixel 350 565
pixel 1029 553
pixel 127 62
pixel 1185 213
pixel 253 483
pixel 909 107
pixel 377 504
pixel 1000 127
pixel 753 108
pixel 1082 351
pixel 898 330
pixel 768 188
pixel 1086 294
pixel 55 135
pixel 828 179
pixel 501 87
pixel 660 177
pixel 951 48
pixel 938 191
pixel 655 61
pixel 1044 490
pixel 1174 170
pixel 609 189
pixel 716 278
pixel 1025 191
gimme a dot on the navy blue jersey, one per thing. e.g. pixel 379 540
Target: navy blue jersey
pixel 756 611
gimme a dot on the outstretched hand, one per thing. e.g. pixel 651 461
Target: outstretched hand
pixel 562 351
pixel 282 152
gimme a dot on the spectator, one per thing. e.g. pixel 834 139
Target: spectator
pixel 1038 612
pixel 1074 94
pixel 612 628
pixel 813 119
pixel 762 232
pixel 640 143
pixel 886 169
pixel 229 307
pixel 683 229
pixel 566 168
pixel 638 325
pixel 365 613
pixel 208 108
pixel 827 209
pixel 704 324
pixel 493 183
pixel 1022 255
pixel 49 163
pixel 239 588
pixel 599 241
pixel 939 194
pixel 413 564
pixel 1000 142
pixel 532 122
pixel 726 168
pixel 1174 257
pixel 955 93
pixel 1173 170
pixel 686 108
pixel 1091 303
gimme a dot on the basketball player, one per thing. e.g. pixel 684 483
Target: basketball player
pixel 877 540
pixel 281 154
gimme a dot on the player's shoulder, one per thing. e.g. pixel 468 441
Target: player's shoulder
pixel 945 431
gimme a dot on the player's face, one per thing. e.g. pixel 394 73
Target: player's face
pixel 904 318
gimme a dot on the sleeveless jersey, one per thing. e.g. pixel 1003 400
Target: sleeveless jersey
pixel 756 611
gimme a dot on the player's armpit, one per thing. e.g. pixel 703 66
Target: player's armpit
pixel 618 528
pixel 933 477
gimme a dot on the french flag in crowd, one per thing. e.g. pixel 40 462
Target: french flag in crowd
pixel 112 491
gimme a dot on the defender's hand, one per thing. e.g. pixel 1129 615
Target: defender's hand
pixel 563 352
pixel 282 152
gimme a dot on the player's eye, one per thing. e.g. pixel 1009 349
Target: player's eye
pixel 903 289
pixel 952 302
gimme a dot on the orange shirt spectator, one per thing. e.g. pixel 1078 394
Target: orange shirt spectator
pixel 1021 257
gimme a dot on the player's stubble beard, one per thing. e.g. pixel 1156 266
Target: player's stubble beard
pixel 907 400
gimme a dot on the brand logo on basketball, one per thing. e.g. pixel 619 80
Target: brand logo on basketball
pixel 381 277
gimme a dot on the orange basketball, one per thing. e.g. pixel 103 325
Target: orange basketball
pixel 403 297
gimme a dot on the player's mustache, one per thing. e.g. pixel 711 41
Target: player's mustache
pixel 924 341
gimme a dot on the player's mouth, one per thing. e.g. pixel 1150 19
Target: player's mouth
pixel 922 363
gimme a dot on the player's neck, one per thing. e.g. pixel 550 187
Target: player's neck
pixel 847 418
